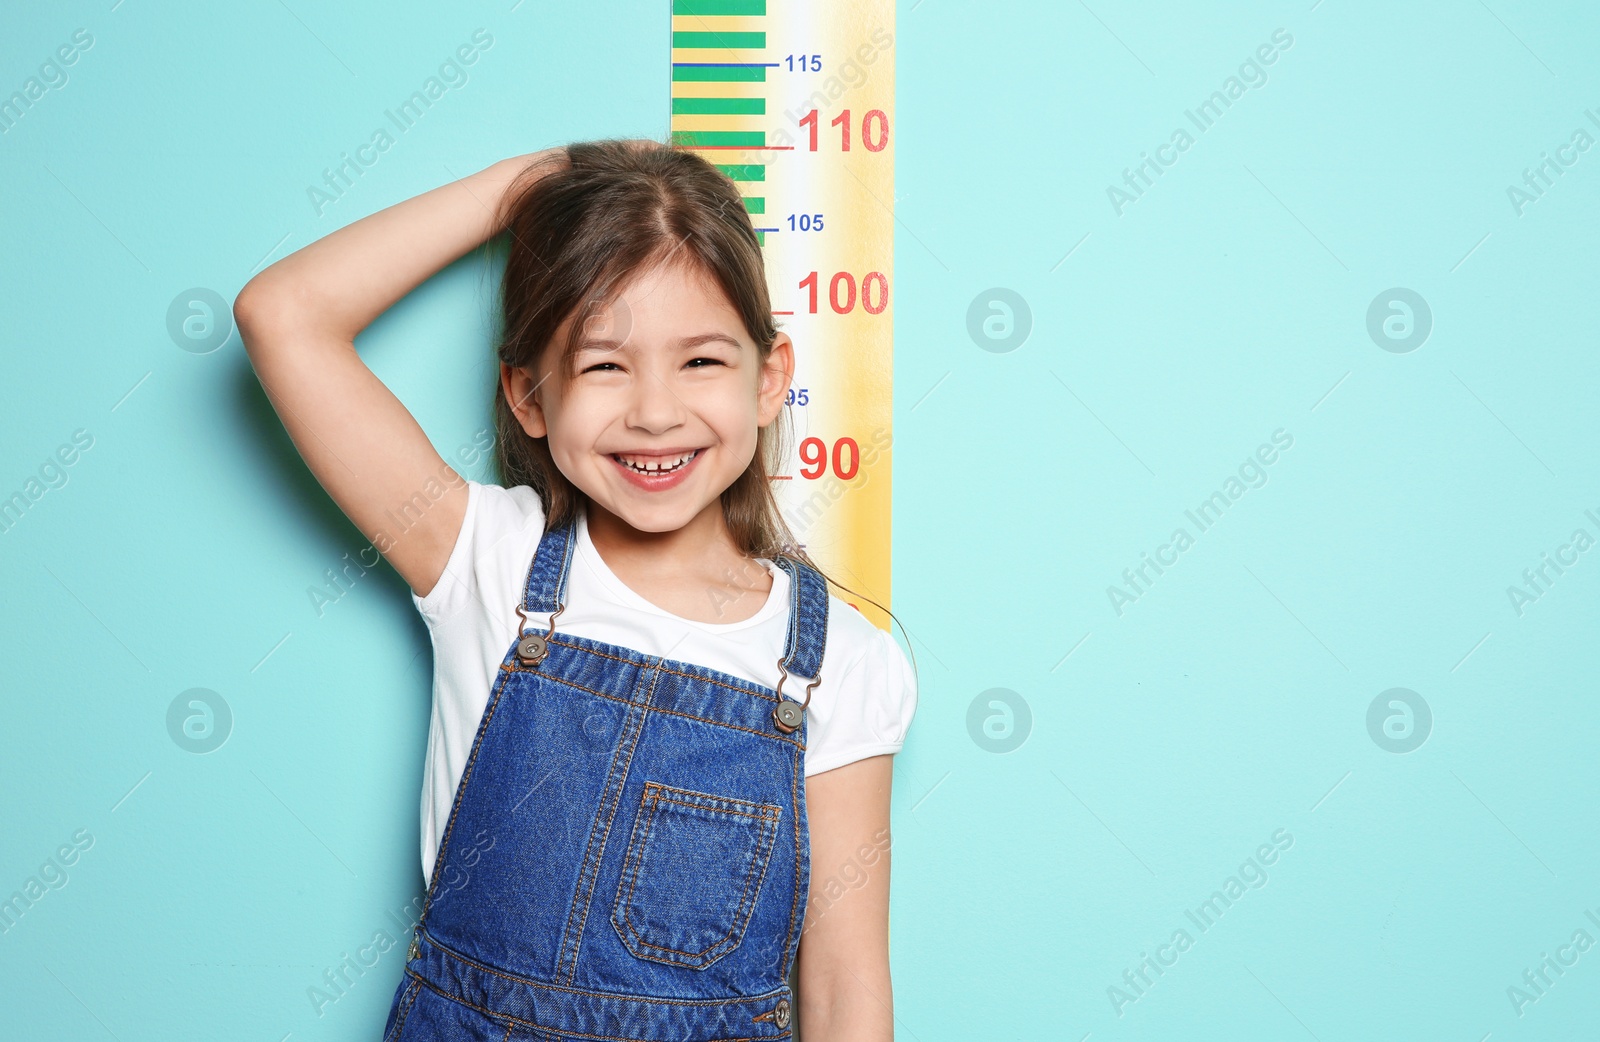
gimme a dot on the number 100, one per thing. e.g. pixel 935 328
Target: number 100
pixel 842 292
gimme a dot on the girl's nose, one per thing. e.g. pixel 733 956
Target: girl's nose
pixel 655 405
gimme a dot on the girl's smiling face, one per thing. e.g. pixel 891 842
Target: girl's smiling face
pixel 664 403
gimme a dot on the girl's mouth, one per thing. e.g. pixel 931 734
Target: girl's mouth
pixel 655 472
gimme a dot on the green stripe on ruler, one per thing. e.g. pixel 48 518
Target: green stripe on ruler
pixel 719 74
pixel 746 138
pixel 719 7
pixel 719 41
pixel 719 106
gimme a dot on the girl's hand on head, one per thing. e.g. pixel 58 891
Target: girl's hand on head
pixel 514 176
pixel 517 175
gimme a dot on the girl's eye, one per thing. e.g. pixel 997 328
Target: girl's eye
pixel 600 367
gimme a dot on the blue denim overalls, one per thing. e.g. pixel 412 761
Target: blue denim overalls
pixel 628 855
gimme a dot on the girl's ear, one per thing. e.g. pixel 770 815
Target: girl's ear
pixel 776 376
pixel 518 385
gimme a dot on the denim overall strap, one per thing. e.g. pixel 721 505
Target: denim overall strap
pixel 547 577
pixel 808 619
pixel 546 591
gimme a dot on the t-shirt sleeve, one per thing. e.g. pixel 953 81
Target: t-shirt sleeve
pixel 498 520
pixel 872 710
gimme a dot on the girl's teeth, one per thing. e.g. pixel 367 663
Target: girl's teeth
pixel 656 467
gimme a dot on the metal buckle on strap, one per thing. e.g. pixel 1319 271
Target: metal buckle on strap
pixel 788 713
pixel 532 647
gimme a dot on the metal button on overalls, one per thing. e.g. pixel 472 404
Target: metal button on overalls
pixel 627 854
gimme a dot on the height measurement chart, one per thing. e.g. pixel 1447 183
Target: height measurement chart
pixel 795 102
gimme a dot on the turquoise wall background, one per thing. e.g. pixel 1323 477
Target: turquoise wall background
pixel 1322 774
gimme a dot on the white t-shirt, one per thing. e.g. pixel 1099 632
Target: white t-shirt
pixel 863 706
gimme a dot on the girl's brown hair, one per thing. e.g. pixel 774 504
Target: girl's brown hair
pixel 580 225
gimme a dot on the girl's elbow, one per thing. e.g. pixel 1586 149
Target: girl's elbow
pixel 254 306
pixel 262 306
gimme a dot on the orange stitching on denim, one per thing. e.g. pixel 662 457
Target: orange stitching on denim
pixel 635 856
pixel 753 689
pixel 407 999
pixel 797 801
pixel 461 790
pixel 612 817
pixel 572 909
pixel 712 797
pixel 642 821
pixel 633 746
pixel 763 816
pixel 553 678
pixel 451 953
pixel 535 1024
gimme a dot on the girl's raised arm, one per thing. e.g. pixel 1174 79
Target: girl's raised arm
pixel 299 319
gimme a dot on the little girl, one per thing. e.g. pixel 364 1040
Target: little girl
pixel 658 741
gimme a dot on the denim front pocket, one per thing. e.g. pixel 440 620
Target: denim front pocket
pixel 694 866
